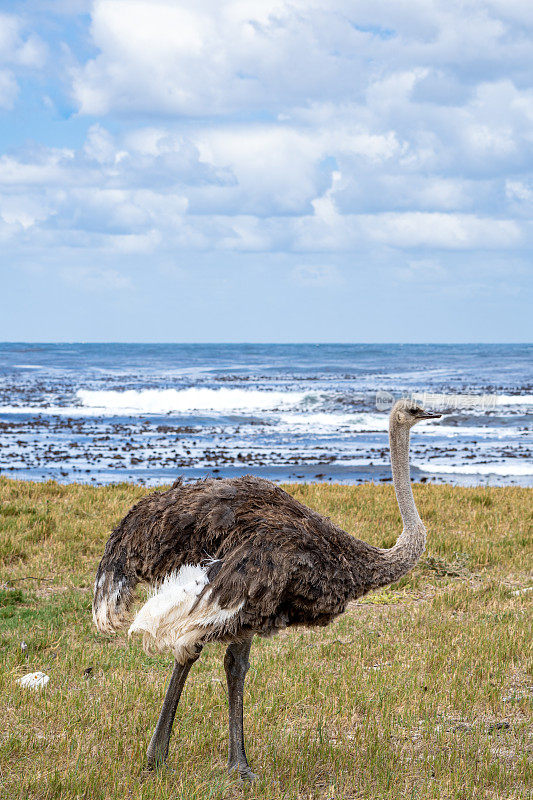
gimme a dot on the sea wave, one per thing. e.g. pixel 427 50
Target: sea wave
pixel 363 422
pixel 368 422
pixel 506 468
pixel 164 401
pixel 514 399
pixel 476 403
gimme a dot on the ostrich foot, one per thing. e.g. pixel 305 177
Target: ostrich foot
pixel 155 759
pixel 156 767
pixel 245 773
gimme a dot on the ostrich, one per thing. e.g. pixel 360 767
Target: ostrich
pixel 229 558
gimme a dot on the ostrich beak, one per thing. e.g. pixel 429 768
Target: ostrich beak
pixel 428 415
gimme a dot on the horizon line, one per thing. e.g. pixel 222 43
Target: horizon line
pixel 242 342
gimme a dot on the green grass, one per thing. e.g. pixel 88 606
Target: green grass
pixel 399 698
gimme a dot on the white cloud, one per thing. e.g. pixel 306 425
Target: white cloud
pixel 152 192
pixel 455 231
pixel 398 133
pixel 31 52
pixel 23 210
pixel 216 57
pixel 208 58
pixel 99 145
pixel 19 50
pixel 518 190
pixel 43 168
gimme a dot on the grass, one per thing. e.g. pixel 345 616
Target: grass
pixel 421 690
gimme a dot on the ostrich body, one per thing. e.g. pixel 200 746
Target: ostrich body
pixel 229 558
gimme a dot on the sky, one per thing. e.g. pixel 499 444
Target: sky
pixel 266 170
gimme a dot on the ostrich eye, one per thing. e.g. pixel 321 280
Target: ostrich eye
pixel 412 410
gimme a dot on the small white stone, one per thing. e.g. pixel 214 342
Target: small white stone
pixel 34 680
pixel 523 591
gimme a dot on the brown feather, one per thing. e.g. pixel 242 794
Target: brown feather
pixel 287 563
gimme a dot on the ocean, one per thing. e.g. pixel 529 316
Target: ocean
pixel 101 413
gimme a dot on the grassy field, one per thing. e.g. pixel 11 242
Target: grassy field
pixel 422 690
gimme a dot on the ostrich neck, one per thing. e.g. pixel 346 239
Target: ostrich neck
pixel 392 564
pixel 399 453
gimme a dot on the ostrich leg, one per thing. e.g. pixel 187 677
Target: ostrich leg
pixel 157 751
pixel 236 665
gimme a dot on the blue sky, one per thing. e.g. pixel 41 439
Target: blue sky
pixel 266 170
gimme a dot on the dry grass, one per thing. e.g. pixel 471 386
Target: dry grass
pixel 421 690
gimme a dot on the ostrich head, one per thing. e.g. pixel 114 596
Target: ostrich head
pixel 407 413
